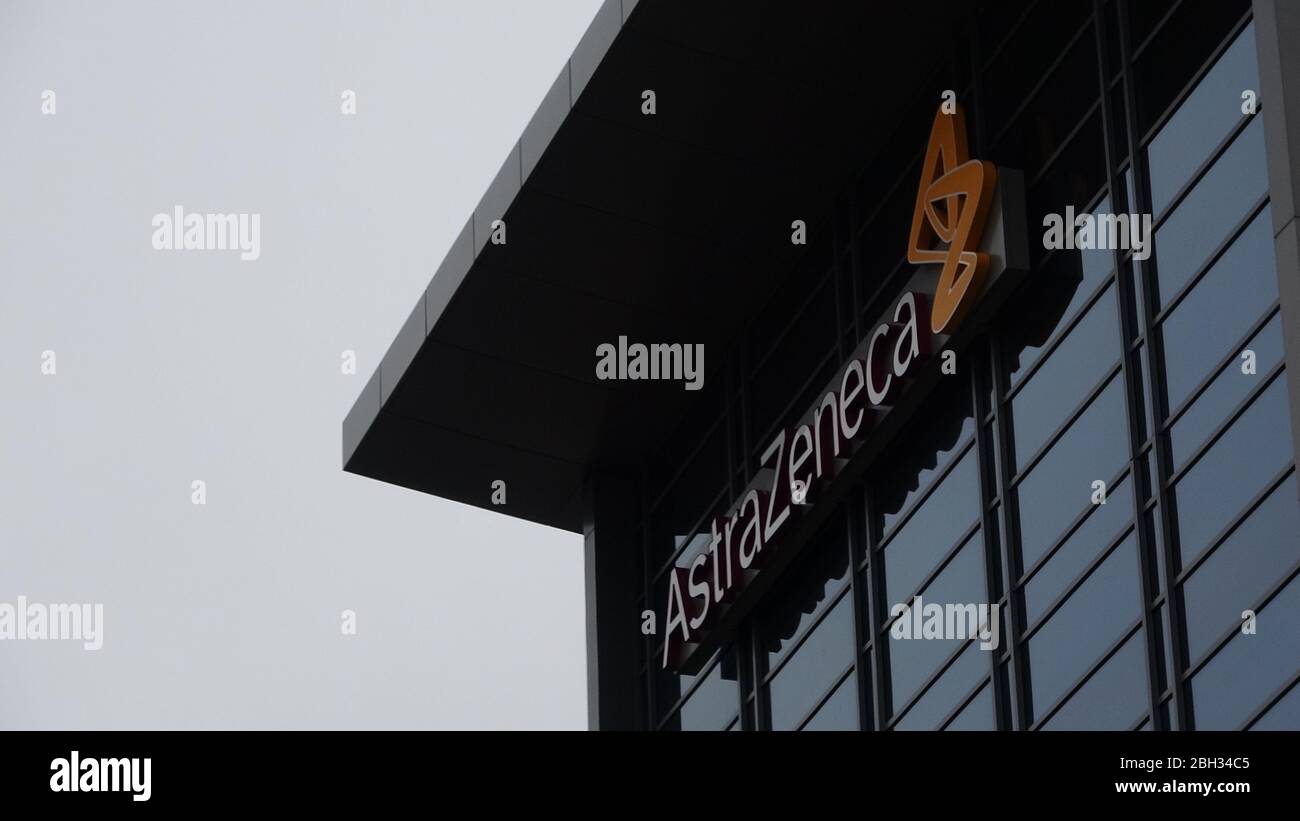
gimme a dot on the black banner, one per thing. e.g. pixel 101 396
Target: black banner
pixel 142 771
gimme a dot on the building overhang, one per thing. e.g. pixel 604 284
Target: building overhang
pixel 672 227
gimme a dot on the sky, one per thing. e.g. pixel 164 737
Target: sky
pixel 172 367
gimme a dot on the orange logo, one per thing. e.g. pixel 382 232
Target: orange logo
pixel 952 205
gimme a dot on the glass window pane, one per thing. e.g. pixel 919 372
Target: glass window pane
pixel 942 427
pixel 1114 698
pixel 1065 378
pixel 978 715
pixel 1050 297
pixel 813 588
pixel 1179 49
pixel 946 693
pixel 840 712
pixel 713 704
pixel 1203 121
pixel 669 686
pixel 1242 569
pixel 1251 668
pixel 809 672
pixel 913 660
pixel 1229 389
pixel 1285 715
pixel 934 529
pixel 1097 532
pixel 1094 447
pixel 1088 623
pixel 1218 202
pixel 1219 310
pixel 1251 452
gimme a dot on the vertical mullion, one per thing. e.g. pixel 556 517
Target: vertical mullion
pixel 762 711
pixel 1021 708
pixel 856 546
pixel 1133 397
pixel 745 672
pixel 988 526
pixel 1155 375
pixel 880 696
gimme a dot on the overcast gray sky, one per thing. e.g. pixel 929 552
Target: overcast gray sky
pixel 176 366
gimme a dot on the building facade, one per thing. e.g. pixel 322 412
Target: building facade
pixel 1108 455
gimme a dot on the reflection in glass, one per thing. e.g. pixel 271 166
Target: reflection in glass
pixel 811 590
pixel 934 529
pixel 1049 299
pixel 1062 382
pixel 714 702
pixel 940 429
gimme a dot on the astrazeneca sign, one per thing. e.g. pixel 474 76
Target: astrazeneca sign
pixel 955 210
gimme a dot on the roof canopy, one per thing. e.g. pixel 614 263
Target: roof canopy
pixel 671 227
